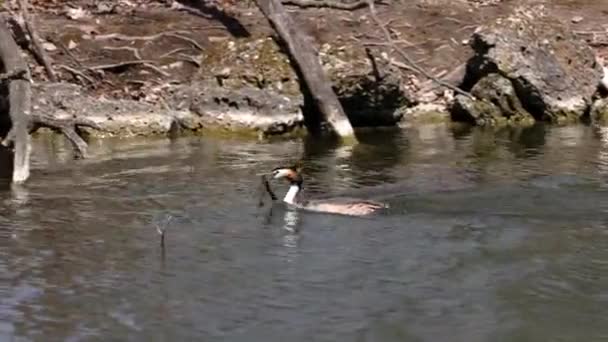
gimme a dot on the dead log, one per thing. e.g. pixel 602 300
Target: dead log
pixel 306 60
pixel 20 102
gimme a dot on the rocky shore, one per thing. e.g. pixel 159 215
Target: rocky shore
pixel 147 67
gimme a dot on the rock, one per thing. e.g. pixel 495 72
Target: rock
pixel 244 109
pixel 48 46
pixel 599 111
pixel 577 19
pixel 553 72
pixel 479 112
pixel 604 80
pixel 498 103
pixel 368 99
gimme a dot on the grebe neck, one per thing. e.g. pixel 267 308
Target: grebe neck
pixel 290 197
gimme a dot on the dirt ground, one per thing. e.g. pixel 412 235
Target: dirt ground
pixel 175 39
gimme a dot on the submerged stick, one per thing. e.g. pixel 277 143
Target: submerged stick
pixel 264 182
pixel 161 231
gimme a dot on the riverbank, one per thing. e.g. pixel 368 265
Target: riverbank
pixel 148 67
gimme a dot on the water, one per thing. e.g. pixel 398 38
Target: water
pixel 490 237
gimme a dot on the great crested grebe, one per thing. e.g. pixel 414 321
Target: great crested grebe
pixel 337 205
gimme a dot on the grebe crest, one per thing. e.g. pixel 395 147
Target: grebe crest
pixel 344 206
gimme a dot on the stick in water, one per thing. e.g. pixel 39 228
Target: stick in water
pixel 264 182
pixel 161 230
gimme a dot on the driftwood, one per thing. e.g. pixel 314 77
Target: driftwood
pixel 317 83
pixel 20 101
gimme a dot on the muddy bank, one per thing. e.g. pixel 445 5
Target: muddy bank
pixel 148 67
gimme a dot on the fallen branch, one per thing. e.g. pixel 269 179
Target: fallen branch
pixel 410 63
pixel 306 62
pixel 335 4
pixel 175 34
pixel 37 49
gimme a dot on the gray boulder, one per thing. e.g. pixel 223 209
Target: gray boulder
pixel 553 73
pixel 239 109
pixel 495 103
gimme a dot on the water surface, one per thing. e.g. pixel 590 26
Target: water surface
pixel 491 236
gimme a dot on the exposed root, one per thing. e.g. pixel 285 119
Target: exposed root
pixel 120 65
pixel 157 69
pixel 175 34
pixel 76 73
pixel 69 128
pixel 129 48
pixel 335 4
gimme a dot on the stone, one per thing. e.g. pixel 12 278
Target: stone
pixel 599 111
pixel 554 72
pixel 244 109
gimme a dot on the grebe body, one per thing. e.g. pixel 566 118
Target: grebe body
pixel 338 205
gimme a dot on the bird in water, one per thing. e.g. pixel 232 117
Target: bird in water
pixel 337 205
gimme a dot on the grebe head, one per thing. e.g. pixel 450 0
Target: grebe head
pixel 295 180
pixel 290 173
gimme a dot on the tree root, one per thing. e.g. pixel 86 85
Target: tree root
pixel 335 4
pixel 174 34
pixel 68 127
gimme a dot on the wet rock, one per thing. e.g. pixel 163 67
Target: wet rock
pixel 479 112
pixel 116 117
pixel 244 109
pixel 495 102
pixel 553 72
pixel 599 111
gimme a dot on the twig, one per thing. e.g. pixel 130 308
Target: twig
pixel 172 52
pixel 119 65
pixel 67 51
pixel 37 49
pixel 132 49
pixel 76 72
pixel 191 59
pixel 157 69
pixel 161 230
pixel 175 34
pixel 405 57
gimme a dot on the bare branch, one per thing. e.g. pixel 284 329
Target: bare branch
pixel 410 63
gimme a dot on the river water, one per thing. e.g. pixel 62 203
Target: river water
pixel 491 236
